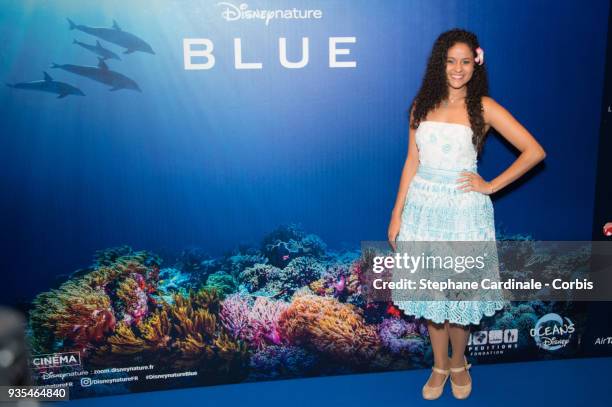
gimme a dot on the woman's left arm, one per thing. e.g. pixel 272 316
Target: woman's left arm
pixel 531 151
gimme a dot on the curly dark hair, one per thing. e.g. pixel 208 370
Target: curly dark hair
pixel 434 88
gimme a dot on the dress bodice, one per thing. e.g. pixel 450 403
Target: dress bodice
pixel 446 146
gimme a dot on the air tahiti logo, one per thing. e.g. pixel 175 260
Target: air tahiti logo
pixel 552 332
pixel 232 12
pixel 56 360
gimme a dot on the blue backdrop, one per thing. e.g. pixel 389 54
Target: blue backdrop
pixel 218 157
pixel 215 157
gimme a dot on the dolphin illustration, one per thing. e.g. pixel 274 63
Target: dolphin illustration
pixel 115 35
pixel 102 74
pixel 98 49
pixel 49 85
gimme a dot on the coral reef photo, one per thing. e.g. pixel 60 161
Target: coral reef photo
pixel 288 308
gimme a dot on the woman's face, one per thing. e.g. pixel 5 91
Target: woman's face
pixel 459 65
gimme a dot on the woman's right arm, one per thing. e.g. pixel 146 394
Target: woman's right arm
pixel 410 168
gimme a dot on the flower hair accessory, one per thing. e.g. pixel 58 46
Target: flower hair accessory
pixel 479 56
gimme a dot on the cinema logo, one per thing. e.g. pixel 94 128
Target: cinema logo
pixel 55 360
pixel 492 342
pixel 232 12
pixel 552 332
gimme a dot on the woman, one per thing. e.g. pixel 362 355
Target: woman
pixel 442 197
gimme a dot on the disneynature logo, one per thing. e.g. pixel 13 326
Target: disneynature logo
pixel 231 12
pixel 552 332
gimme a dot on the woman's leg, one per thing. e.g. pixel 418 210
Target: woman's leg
pixel 459 335
pixel 438 334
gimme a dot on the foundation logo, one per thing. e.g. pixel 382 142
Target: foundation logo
pixel 232 12
pixel 493 342
pixel 552 332
pixel 56 360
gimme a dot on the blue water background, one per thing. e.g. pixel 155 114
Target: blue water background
pixel 219 157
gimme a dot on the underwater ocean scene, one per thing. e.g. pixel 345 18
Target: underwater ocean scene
pixel 285 309
pixel 180 220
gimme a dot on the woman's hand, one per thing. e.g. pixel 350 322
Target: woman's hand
pixel 394 228
pixel 472 181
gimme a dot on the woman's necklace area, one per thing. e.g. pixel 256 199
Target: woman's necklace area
pixel 451 100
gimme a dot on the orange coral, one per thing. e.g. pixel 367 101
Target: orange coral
pixel 80 314
pixel 122 266
pixel 185 334
pixel 68 312
pixel 331 327
pixel 338 281
pixel 320 287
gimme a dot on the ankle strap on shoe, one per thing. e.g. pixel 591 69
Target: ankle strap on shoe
pixel 460 369
pixel 438 370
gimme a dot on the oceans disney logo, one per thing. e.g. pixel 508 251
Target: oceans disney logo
pixel 232 12
pixel 552 332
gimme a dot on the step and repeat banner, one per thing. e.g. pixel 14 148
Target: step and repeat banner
pixel 186 183
pixel 597 338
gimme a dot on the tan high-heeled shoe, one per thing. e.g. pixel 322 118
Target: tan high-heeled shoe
pixel 433 392
pixel 461 391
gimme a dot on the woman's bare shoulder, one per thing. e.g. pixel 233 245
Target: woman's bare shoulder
pixel 490 107
pixel 488 103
